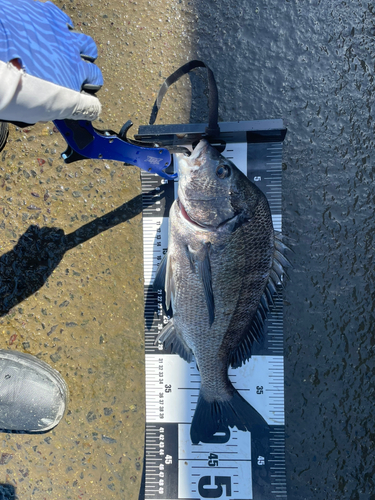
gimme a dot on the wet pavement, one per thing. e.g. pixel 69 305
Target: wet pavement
pixel 310 63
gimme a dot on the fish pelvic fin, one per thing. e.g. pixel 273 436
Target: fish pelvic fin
pixel 211 417
pixel 173 341
pixel 164 279
pixel 159 281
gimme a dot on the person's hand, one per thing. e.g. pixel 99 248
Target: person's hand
pixel 46 68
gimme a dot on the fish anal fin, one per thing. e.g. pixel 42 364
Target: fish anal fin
pixel 172 341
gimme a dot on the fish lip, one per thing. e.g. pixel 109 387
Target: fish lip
pixel 186 216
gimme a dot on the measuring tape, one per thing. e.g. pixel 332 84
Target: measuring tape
pixel 235 464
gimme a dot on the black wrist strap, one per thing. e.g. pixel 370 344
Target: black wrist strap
pixel 213 128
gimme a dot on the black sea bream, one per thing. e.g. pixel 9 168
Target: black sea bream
pixel 216 275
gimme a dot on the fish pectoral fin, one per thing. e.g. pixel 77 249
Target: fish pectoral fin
pixel 173 341
pixel 204 271
pixel 202 259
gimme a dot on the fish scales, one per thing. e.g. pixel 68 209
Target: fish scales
pixel 219 259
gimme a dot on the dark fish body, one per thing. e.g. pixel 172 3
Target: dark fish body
pixel 219 261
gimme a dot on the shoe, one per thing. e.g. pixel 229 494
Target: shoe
pixel 4 131
pixel 33 395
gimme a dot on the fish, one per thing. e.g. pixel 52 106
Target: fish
pixel 220 274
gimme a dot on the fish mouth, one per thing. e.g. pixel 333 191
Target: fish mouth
pixel 187 165
pixel 186 216
pixel 202 144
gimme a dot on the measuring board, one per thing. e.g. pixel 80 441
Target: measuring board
pixel 235 464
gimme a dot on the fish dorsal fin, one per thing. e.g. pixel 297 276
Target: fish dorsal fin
pixel 202 259
pixel 256 330
pixel 173 341
pixel 280 262
pixel 244 350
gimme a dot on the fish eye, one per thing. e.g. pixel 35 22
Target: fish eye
pixel 223 171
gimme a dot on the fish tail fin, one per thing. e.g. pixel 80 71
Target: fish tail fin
pixel 212 416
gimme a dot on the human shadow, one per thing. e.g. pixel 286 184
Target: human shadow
pixel 7 491
pixel 25 268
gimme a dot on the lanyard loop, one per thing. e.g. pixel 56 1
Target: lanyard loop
pixel 213 128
